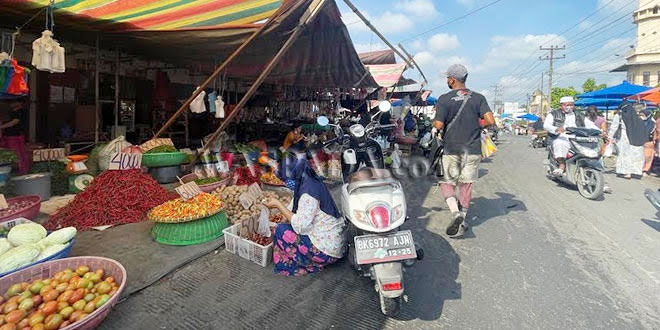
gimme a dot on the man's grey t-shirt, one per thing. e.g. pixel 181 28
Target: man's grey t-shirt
pixel 465 135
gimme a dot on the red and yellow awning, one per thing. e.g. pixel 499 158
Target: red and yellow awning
pixel 158 15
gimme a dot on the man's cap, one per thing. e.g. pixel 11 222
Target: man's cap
pixel 457 71
pixel 567 99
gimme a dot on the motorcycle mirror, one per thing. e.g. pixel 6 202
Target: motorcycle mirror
pixel 323 121
pixel 384 106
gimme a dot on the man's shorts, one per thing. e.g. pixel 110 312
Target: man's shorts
pixel 461 168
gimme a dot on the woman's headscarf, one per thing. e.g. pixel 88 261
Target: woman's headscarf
pixel 637 129
pixel 308 182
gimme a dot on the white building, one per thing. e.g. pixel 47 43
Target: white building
pixel 643 61
pixel 511 107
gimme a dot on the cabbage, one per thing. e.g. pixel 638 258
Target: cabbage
pixel 4 245
pixel 18 257
pixel 58 237
pixel 51 250
pixel 26 233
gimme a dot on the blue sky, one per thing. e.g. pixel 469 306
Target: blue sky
pixel 499 44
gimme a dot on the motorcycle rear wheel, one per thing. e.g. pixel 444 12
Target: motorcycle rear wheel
pixel 593 184
pixel 390 306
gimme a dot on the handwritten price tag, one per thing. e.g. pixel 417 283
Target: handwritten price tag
pixel 124 161
pixel 188 190
pixel 255 191
pixel 44 155
pixel 3 202
pixel 155 143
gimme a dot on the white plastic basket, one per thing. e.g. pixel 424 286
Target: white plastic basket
pixel 245 248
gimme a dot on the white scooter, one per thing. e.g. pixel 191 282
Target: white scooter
pixel 375 205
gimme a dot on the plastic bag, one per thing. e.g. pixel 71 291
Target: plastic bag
pixel 396 157
pixel 197 105
pixel 488 148
pixel 219 108
pixel 609 150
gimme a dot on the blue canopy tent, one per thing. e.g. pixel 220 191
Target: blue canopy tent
pixel 529 116
pixel 611 97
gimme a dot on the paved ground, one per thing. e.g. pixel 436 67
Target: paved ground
pixel 538 256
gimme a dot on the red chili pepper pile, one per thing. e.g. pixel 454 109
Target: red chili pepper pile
pixel 247 175
pixel 113 198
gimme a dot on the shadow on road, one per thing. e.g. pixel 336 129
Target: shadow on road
pixel 483 209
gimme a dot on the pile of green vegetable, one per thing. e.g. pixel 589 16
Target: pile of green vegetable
pixel 162 148
pixel 246 148
pixel 27 242
pixel 207 180
pixel 59 181
pixel 7 156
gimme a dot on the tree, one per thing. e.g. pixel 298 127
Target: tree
pixel 590 86
pixel 559 92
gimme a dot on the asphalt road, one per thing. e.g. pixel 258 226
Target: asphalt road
pixel 538 256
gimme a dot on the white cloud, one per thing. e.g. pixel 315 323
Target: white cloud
pixel 392 23
pixel 369 47
pixel 585 25
pixel 506 50
pixel 418 8
pixel 434 66
pixel 442 42
pixel 466 2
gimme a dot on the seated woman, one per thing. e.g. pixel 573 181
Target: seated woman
pixel 314 236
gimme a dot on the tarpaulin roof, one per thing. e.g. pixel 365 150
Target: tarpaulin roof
pixel 602 102
pixel 378 57
pixel 161 14
pixel 651 95
pixel 387 75
pixel 619 91
pixel 322 56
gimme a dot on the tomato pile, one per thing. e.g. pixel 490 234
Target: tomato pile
pixel 247 175
pixel 16 206
pixel 57 302
pixel 278 218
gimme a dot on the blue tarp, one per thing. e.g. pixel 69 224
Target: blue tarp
pixel 616 92
pixel 529 116
pixel 601 103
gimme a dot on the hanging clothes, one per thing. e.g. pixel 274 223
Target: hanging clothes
pixel 18 83
pixel 211 97
pixel 197 105
pixel 47 54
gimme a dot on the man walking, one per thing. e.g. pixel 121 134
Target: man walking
pixel 457 118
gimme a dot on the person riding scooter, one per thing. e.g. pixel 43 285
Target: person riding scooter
pixel 556 124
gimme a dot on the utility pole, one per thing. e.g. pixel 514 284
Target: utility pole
pixel 551 58
pixel 497 98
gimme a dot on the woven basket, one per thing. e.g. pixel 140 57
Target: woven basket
pixel 48 269
pixel 190 233
pixel 161 159
pixel 208 188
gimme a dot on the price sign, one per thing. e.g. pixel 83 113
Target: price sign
pixel 3 202
pixel 246 200
pixel 188 190
pixel 124 161
pixel 155 143
pixel 44 155
pixel 264 226
pixel 222 166
pixel 255 191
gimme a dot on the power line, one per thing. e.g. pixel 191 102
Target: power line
pixel 452 20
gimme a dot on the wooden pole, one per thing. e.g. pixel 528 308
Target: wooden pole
pixel 97 101
pixel 370 26
pixel 208 80
pixel 309 15
pixel 116 92
pixel 414 63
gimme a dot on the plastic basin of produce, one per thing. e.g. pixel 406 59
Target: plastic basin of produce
pixel 49 269
pixel 161 159
pixel 29 212
pixel 165 174
pixel 59 255
pixel 209 188
pixel 33 184
pixel 192 232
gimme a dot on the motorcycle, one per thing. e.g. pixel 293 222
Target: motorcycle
pixel 374 204
pixel 584 163
pixel 433 149
pixel 539 140
pixel 653 197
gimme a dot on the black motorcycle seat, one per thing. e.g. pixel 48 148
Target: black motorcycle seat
pixel 584 132
pixel 367 174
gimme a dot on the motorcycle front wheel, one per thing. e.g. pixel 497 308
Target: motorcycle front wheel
pixel 390 306
pixel 591 183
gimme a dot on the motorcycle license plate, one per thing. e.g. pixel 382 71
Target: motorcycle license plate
pixel 371 249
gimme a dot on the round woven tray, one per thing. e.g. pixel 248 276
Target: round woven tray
pixel 189 233
pixel 182 220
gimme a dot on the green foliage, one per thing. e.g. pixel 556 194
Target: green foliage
pixel 559 92
pixel 590 86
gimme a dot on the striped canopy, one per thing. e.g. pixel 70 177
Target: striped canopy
pixel 158 15
pixel 387 75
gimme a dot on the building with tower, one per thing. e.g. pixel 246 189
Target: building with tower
pixel 643 61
